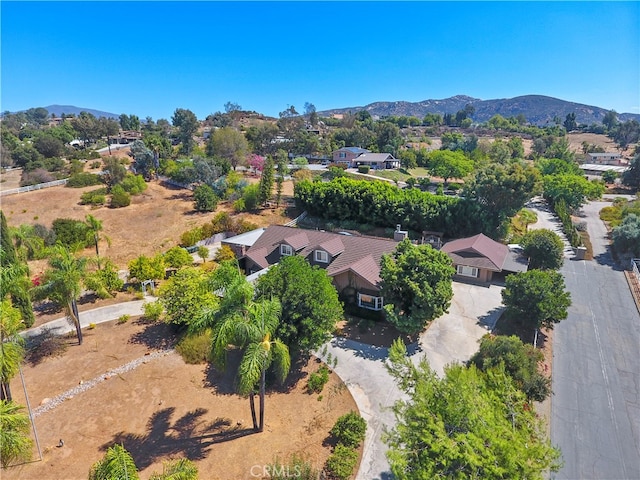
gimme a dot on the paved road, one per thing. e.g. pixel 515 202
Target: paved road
pixel 596 370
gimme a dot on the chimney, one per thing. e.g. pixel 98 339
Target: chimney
pixel 399 234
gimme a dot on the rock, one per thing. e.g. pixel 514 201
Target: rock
pixel 45 400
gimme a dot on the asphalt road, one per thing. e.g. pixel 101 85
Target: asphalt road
pixel 595 418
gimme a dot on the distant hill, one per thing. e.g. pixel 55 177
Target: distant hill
pixel 70 109
pixel 538 109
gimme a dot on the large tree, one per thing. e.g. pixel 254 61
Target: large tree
pixel 632 176
pixel 185 295
pixel 15 442
pixel 230 144
pixel 416 285
pixel 466 425
pixel 521 361
pixel 448 164
pixel 117 464
pixel 537 298
pixel 310 305
pixel 575 190
pixel 187 125
pixel 62 284
pixel 544 248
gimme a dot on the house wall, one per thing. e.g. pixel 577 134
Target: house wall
pixel 484 276
pixel 612 159
pixel 348 157
pixel 350 279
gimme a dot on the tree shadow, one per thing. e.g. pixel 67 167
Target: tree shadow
pixel 607 259
pixel 190 436
pixel 490 319
pixel 363 350
pixel 157 335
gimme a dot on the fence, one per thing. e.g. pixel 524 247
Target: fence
pixel 295 221
pixel 30 188
pixel 635 265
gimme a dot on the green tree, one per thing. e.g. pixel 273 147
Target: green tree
pixel 626 236
pixel 575 190
pixel 556 166
pixel 113 172
pixel 416 285
pixel 62 284
pixel 448 164
pixel 250 326
pixel 230 144
pixel 15 442
pixel 87 127
pixel 177 257
pixel 266 181
pixel 520 361
pixel 94 228
pixel 570 123
pixel 19 288
pixel 205 198
pixel 187 125
pixel 610 120
pixel 11 346
pixel 145 268
pixel 632 176
pixel 467 424
pixel 185 295
pixel 537 298
pixel 544 248
pixel 48 145
pixel 108 127
pixel 144 161
pixel 117 464
pixel 281 161
pixel 310 305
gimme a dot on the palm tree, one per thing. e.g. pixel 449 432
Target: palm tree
pixel 15 442
pixel 62 283
pixel 95 227
pixel 117 464
pixel 182 469
pixel 11 347
pixel 248 325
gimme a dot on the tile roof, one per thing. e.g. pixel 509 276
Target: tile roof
pixel 477 251
pixel 357 253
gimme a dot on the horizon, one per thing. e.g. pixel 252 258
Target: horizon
pixel 333 54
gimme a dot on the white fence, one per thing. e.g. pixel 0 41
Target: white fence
pixel 30 188
pixel 635 265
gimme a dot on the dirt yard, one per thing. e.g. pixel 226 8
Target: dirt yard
pixel 153 222
pixel 165 409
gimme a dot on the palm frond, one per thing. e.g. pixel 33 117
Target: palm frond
pixel 254 360
pixel 15 442
pixel 117 464
pixel 281 359
pixel 182 469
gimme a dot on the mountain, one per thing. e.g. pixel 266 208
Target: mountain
pixel 70 109
pixel 538 109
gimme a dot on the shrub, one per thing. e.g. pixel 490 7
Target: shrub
pixel 205 198
pixel 83 179
pixel 94 197
pixel 119 198
pixel 296 467
pixel 133 184
pixel 177 257
pixel 109 278
pixel 39 175
pixel 191 237
pixel 224 253
pixel 239 205
pixel 364 169
pixel 350 429
pixel 341 462
pixel 195 349
pixel 70 232
pixel 317 380
pixel 92 326
pixel 153 311
pixel 123 318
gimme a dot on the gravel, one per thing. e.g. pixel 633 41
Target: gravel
pixel 84 386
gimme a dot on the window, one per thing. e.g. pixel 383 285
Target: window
pixel 467 271
pixel 321 256
pixel 286 250
pixel 342 155
pixel 369 302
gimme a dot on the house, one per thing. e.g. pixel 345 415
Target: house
pixel 352 262
pixel 239 244
pixel 605 159
pixel 479 258
pixel 346 155
pixel 377 161
pixel 597 169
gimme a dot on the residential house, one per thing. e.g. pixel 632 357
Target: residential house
pixel 346 155
pixel 479 258
pixel 241 243
pixel 605 159
pixel 353 262
pixel 377 161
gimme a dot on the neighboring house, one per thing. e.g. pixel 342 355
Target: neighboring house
pixel 605 159
pixel 479 258
pixel 377 161
pixel 346 155
pixel 239 244
pixel 352 262
pixel 597 169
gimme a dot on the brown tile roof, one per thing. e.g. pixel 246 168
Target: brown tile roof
pixel 477 251
pixel 360 254
pixel 297 241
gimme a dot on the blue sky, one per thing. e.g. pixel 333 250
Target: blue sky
pixel 149 58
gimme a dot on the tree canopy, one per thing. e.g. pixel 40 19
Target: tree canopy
pixel 575 190
pixel 310 305
pixel 187 125
pixel 467 425
pixel 544 248
pixel 416 285
pixel 230 144
pixel 448 164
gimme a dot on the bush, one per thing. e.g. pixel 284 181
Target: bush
pixel 296 467
pixel 94 197
pixel 39 175
pixel 239 205
pixel 191 237
pixel 123 318
pixel 194 349
pixel 205 198
pixel 350 429
pixel 119 198
pixel 133 184
pixel 317 380
pixel 341 463
pixel 83 179
pixel 153 311
pixel 177 257
pixel 364 169
pixel 70 232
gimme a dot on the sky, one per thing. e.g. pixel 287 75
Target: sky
pixel 150 58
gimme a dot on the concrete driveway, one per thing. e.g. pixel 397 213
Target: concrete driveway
pixel 450 338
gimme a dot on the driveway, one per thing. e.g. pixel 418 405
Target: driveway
pixel 450 338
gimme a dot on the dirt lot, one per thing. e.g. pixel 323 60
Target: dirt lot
pixel 152 223
pixel 166 409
